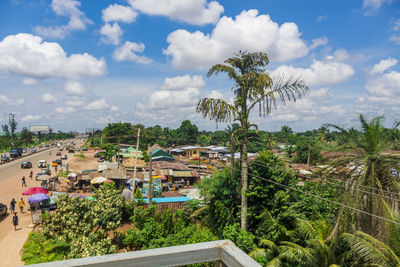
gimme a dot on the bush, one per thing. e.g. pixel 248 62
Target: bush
pixel 243 239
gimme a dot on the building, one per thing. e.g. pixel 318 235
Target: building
pixel 130 152
pixel 160 155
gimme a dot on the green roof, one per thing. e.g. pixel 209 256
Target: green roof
pixel 160 153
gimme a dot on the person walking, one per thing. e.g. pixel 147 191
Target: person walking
pixel 15 221
pixel 30 175
pixel 21 204
pixel 12 205
pixel 23 181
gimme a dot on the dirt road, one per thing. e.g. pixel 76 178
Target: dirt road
pixel 11 241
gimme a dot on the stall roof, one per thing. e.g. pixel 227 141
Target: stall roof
pixel 168 199
pixel 185 174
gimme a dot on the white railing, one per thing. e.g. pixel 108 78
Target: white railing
pixel 223 252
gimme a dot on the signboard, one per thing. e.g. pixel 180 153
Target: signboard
pixel 36 216
pixel 39 128
pixel 156 188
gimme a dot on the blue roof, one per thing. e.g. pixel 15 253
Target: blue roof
pixel 167 199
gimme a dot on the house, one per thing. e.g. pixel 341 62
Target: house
pixel 196 152
pixel 214 152
pixel 189 151
pixel 237 156
pixel 129 165
pixel 160 155
pixel 172 171
pixel 130 152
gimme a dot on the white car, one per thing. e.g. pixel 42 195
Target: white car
pixel 42 163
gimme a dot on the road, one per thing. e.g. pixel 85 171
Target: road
pixel 11 173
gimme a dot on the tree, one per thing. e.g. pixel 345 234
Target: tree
pixel 307 151
pixel 253 87
pixel 5 129
pixel 369 171
pixel 188 131
pixel 26 136
pixel 13 124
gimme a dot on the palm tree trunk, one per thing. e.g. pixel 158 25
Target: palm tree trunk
pixel 244 175
pixel 232 156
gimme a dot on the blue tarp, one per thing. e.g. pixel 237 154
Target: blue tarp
pixel 167 199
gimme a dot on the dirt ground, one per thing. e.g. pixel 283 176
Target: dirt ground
pixel 11 241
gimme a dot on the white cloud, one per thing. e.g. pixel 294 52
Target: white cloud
pixel 27 55
pixel 111 33
pixel 383 65
pixel 75 100
pixel 321 18
pixel 396 25
pixel 384 89
pixel 97 105
pixel 371 6
pixel 127 53
pixel 319 73
pixel 49 98
pixel 65 8
pixel 215 94
pixel 395 39
pixel 65 110
pixel 248 31
pixel 5 99
pixel 30 117
pixel 179 82
pixel 320 93
pixel 319 42
pixel 29 81
pixel 19 102
pixel 75 88
pixel 117 12
pixel 114 108
pixel 196 12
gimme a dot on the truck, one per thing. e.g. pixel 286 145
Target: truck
pixel 71 149
pixel 15 153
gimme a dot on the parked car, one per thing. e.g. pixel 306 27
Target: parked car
pixel 26 165
pixel 3 210
pixel 54 163
pixel 46 171
pixel 64 156
pixel 33 150
pixel 24 150
pixel 58 154
pixel 42 163
pixel 84 149
pixel 5 158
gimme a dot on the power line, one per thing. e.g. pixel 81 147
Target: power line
pixel 322 198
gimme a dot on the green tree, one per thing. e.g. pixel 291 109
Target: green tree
pixel 118 132
pixel 26 136
pixel 13 124
pixel 253 87
pixel 307 151
pixel 188 132
pixel 369 172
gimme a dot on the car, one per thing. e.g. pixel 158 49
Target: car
pixel 54 163
pixel 42 163
pixel 58 154
pixel 33 150
pixel 84 149
pixel 26 165
pixel 24 150
pixel 5 158
pixel 64 156
pixel 46 171
pixel 3 210
pixel 59 161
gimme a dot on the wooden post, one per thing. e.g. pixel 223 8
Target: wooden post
pixel 134 170
pixel 308 155
pixel 232 156
pixel 150 196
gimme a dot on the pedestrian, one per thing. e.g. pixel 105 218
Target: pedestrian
pixel 12 205
pixel 15 221
pixel 30 175
pixel 188 183
pixel 23 181
pixel 21 204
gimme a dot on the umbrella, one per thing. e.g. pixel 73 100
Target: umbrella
pixel 34 190
pixel 72 175
pixel 126 193
pixel 38 197
pixel 164 178
pixel 91 198
pixel 100 180
pixel 76 195
pixel 44 177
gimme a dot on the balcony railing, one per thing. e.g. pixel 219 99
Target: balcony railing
pixel 223 252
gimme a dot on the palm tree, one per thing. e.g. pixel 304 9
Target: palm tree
pixel 310 249
pixel 253 87
pixel 369 170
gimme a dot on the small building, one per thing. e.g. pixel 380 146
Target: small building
pixel 130 152
pixel 160 155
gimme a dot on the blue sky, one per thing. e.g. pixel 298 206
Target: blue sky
pixel 81 64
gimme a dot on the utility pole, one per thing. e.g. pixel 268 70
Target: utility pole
pixel 151 179
pixel 134 170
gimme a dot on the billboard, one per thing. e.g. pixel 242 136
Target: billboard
pixel 39 128
pixel 156 188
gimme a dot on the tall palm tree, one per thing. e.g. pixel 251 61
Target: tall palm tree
pixel 369 167
pixel 253 87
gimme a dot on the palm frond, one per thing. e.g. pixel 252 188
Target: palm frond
pixel 275 262
pixel 217 109
pixel 295 253
pixel 224 68
pixel 305 228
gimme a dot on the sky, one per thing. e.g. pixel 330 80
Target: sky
pixel 77 65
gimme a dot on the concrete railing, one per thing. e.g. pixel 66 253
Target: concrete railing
pixel 223 252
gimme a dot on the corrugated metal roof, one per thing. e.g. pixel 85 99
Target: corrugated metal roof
pixel 168 199
pixel 185 174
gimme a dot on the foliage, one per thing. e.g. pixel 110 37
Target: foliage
pixel 39 249
pixel 26 136
pixel 243 239
pixel 307 148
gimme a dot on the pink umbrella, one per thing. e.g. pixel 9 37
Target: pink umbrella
pixel 34 190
